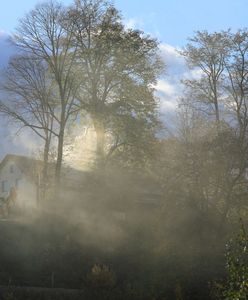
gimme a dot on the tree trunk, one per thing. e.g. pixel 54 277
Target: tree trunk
pixel 44 179
pixel 46 156
pixel 217 112
pixel 100 142
pixel 60 153
pixel 216 100
pixel 60 145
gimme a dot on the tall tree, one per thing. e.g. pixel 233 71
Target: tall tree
pixel 236 83
pixel 29 99
pixel 118 68
pixel 236 90
pixel 207 52
pixel 44 34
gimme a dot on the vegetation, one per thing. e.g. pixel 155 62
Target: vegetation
pixel 153 218
pixel 237 267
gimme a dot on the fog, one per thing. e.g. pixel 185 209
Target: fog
pixel 145 236
pixel 117 202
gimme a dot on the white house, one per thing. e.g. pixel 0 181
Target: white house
pixel 22 174
pixel 76 189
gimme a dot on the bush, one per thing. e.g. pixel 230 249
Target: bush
pixel 236 287
pixel 101 276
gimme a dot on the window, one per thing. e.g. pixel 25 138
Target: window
pixel 11 169
pixel 4 186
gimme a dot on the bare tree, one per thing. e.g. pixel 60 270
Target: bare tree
pixel 207 52
pixel 29 99
pixel 44 34
pixel 236 88
pixel 236 84
pixel 220 156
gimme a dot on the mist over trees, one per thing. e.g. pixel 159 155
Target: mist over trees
pixel 33 99
pixel 182 194
pixel 220 92
pixel 118 68
pixel 93 66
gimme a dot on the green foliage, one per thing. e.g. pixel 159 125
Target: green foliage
pixel 117 91
pixel 101 276
pixel 237 267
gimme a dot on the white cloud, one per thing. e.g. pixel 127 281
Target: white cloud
pixel 165 87
pixel 133 23
pixel 168 106
pixel 168 95
pixel 169 90
pixel 168 50
pixel 6 50
pixel 145 23
pixel 2 33
pixel 175 63
pixel 169 87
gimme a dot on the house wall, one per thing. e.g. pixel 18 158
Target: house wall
pixel 12 176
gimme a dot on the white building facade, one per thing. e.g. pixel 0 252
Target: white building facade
pixel 19 173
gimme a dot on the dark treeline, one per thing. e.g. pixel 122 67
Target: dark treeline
pixel 153 218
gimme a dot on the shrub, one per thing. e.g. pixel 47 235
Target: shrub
pixel 236 287
pixel 101 276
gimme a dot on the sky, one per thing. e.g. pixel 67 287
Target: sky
pixel 172 22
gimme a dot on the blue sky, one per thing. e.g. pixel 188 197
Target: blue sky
pixel 172 21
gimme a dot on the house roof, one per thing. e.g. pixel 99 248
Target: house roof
pixel 144 189
pixel 29 166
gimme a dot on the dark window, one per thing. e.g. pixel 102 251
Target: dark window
pixel 11 169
